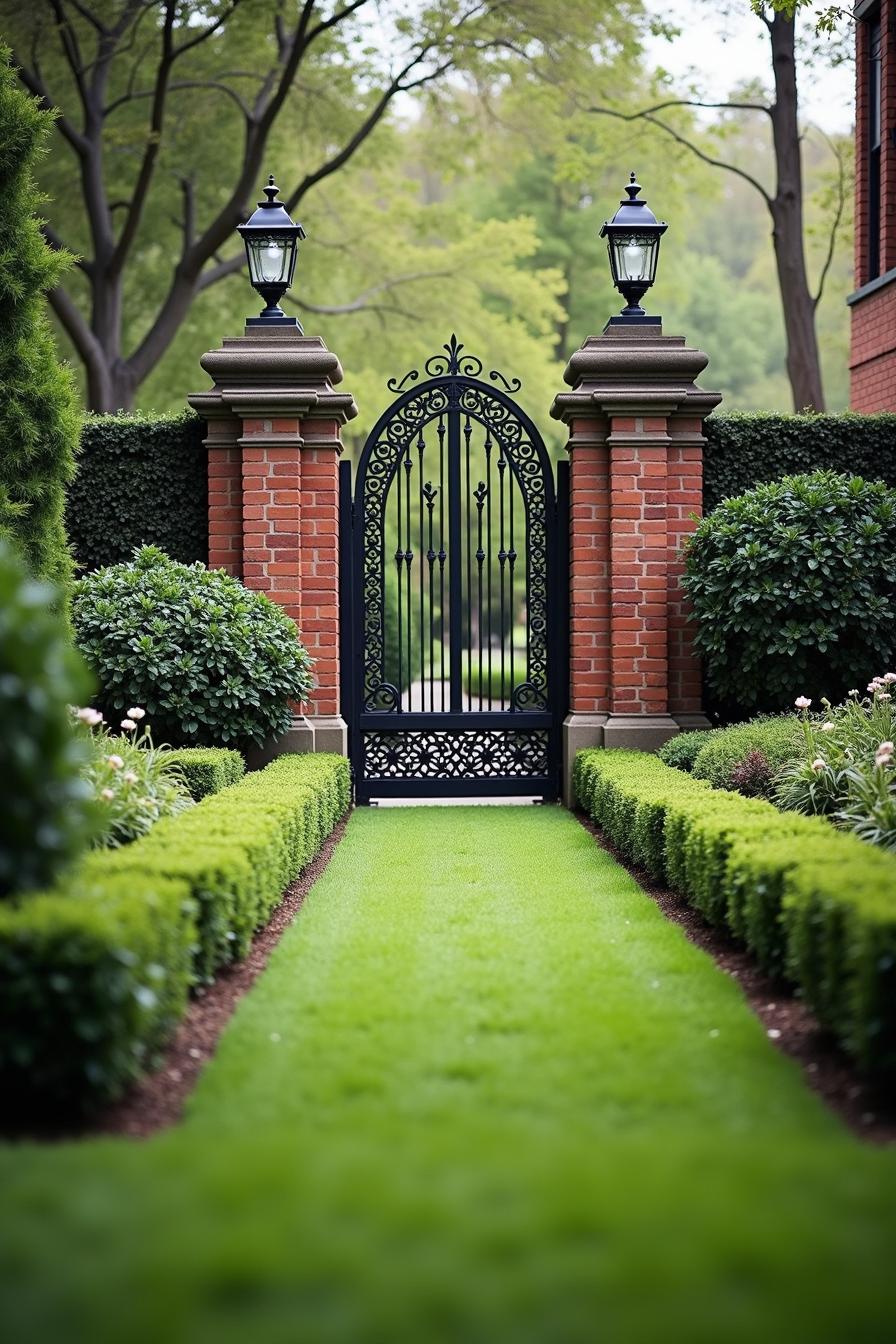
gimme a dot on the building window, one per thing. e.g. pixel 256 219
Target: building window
pixel 874 120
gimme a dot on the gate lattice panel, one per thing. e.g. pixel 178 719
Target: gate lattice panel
pixel 453 597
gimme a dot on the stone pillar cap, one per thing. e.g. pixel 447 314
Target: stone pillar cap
pixel 279 371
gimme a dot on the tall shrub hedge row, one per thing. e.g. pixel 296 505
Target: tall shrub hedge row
pixel 751 448
pixel 141 479
pixel 94 975
pixel 809 901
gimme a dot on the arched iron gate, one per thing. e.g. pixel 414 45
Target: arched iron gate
pixel 454 574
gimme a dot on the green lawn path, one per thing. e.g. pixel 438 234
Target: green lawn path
pixel 484 1092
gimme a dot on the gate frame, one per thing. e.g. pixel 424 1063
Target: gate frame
pixel 351 551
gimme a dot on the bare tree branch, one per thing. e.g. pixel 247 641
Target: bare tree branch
pixel 688 144
pixel 838 216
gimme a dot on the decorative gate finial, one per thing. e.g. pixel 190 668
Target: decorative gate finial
pixel 453 364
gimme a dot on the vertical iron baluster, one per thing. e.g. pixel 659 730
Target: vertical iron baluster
pixel 468 523
pixel 502 558
pixel 409 556
pixel 429 495
pixel 420 447
pixel 488 530
pixel 479 494
pixel 455 569
pixel 511 560
pixel 443 555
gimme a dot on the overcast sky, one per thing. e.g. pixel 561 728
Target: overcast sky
pixel 720 56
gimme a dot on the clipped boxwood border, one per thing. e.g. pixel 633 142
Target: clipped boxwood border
pixel 809 901
pixel 95 976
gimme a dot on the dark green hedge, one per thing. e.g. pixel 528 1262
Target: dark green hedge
pixel 808 900
pixel 747 449
pixel 141 480
pixel 94 975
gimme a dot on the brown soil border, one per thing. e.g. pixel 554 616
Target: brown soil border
pixel 870 1114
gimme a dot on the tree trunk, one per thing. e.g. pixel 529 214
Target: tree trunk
pixel 803 364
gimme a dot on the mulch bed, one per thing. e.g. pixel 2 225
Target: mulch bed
pixel 788 1021
pixel 157 1100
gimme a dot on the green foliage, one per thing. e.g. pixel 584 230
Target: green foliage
pixel 844 770
pixel 94 974
pixel 207 770
pixel 210 661
pixel 791 586
pixel 754 448
pixel 141 480
pixel 46 815
pixel 239 848
pixel 681 751
pixel 805 898
pixel 38 417
pixel 725 750
pixel 93 979
pixel 135 785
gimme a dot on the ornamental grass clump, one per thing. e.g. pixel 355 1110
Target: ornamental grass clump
pixel 133 782
pixel 845 770
pixel 212 662
pixel 792 588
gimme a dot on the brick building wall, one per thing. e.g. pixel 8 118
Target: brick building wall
pixel 873 303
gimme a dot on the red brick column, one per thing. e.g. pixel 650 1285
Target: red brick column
pixel 274 507
pixel 635 417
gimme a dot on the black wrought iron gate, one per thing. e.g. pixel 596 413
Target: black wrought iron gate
pixel 454 574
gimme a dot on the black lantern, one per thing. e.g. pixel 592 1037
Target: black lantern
pixel 633 242
pixel 272 242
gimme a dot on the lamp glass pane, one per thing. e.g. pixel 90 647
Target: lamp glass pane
pixel 634 257
pixel 270 260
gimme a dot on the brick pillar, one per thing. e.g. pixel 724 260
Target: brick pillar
pixel 635 418
pixel 274 443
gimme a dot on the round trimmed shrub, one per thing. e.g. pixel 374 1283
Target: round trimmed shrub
pixel 210 661
pixel 680 752
pixel 792 586
pixel 728 756
pixel 47 815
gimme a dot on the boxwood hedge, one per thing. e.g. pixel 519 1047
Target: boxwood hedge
pixel 95 974
pixel 811 902
pixel 747 449
pixel 141 479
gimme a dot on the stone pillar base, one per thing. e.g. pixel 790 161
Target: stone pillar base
pixel 317 732
pixel 579 731
pixel 330 733
pixel 639 732
pixel 692 722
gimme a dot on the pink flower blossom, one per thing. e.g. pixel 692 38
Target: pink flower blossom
pixel 890 676
pixel 802 702
pixel 136 713
pixel 884 753
pixel 91 717
pixel 129 725
pixel 107 794
pixel 129 777
pixel 827 727
pixel 818 764
pixel 115 761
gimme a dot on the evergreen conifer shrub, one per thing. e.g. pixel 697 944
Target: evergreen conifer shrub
pixel 46 813
pixel 39 421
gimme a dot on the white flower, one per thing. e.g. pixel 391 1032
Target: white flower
pixel 129 777
pixel 90 716
pixel 827 727
pixel 818 764
pixel 136 713
pixel 875 685
pixel 115 761
pixel 108 794
pixel 852 692
pixel 802 702
pixel 129 725
pixel 882 695
pixel 890 676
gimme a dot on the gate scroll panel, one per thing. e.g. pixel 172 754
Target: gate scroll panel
pixel 454 557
